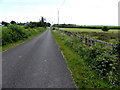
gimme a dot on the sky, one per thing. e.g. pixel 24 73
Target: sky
pixel 80 12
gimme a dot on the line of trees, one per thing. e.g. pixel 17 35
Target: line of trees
pixel 41 23
pixel 86 26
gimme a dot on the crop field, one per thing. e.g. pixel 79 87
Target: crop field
pixel 110 36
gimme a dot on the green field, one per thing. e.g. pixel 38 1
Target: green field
pixel 87 30
pixel 111 36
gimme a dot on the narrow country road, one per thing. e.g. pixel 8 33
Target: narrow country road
pixel 38 63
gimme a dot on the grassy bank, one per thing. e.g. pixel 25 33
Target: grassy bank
pixel 15 35
pixel 88 64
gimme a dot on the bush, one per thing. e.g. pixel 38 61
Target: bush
pixel 105 28
pixel 14 33
pixel 116 49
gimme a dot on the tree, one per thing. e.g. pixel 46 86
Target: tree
pixel 2 22
pixel 13 22
pixel 42 19
pixel 5 23
pixel 42 22
pixel 105 28
pixel 48 24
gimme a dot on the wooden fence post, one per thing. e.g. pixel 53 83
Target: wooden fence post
pixel 92 43
pixel 85 41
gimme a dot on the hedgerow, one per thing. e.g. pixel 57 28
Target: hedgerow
pixel 102 60
pixel 14 33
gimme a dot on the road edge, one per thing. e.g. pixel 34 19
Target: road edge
pixel 65 62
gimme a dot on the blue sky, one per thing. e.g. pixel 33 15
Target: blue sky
pixel 82 12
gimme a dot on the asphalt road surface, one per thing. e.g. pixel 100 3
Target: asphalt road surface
pixel 38 63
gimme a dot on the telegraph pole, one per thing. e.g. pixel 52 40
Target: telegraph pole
pixel 59 13
pixel 58 17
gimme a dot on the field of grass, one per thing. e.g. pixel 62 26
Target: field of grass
pixel 91 67
pixel 87 30
pixel 80 30
pixel 111 36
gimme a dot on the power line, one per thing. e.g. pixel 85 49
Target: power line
pixel 62 4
